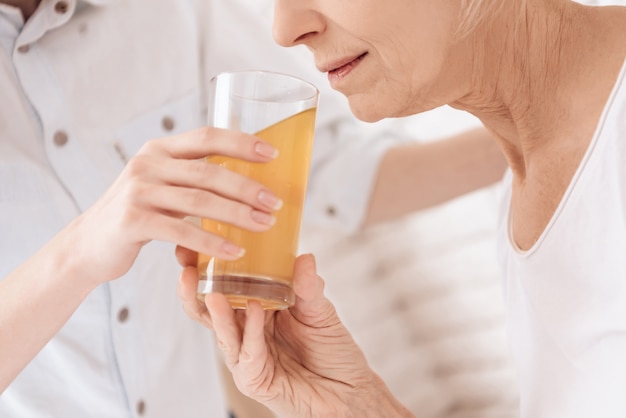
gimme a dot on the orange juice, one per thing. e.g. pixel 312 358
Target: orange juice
pixel 265 271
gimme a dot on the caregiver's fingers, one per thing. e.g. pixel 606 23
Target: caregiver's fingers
pixel 226 326
pixel 206 141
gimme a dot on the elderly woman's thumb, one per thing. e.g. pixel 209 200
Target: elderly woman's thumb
pixel 311 308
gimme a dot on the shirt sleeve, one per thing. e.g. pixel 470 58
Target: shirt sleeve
pixel 346 157
pixel 347 154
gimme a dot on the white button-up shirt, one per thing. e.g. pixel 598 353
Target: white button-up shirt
pixel 83 84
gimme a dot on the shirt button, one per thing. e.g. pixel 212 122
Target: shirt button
pixel 61 7
pixel 22 49
pixel 60 138
pixel 122 315
pixel 167 123
pixel 331 211
pixel 141 407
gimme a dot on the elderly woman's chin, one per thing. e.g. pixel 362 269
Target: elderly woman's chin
pixel 372 108
pixel 368 109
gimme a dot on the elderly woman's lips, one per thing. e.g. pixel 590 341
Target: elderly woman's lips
pixel 340 72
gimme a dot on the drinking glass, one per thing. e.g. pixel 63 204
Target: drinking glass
pixel 280 109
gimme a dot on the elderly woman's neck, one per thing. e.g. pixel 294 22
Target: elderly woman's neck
pixel 27 7
pixel 524 82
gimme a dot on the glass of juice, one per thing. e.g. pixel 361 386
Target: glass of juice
pixel 280 109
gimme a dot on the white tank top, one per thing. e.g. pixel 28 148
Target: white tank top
pixel 566 296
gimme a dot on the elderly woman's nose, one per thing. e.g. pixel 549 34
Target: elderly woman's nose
pixel 294 23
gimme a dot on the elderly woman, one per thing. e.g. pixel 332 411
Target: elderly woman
pixel 548 79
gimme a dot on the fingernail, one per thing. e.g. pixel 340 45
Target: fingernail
pixel 270 200
pixel 266 150
pixel 263 218
pixel 233 249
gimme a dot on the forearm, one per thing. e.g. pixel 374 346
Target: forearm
pixel 36 300
pixel 417 176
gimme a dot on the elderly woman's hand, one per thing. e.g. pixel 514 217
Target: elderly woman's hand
pixel 300 362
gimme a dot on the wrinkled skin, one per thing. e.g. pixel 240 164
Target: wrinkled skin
pixel 300 362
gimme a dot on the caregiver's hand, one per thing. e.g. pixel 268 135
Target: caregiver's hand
pixel 166 181
pixel 300 362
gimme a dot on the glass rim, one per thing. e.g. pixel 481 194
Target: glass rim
pixel 315 91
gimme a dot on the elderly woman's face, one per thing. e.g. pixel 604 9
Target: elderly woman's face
pixel 389 57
